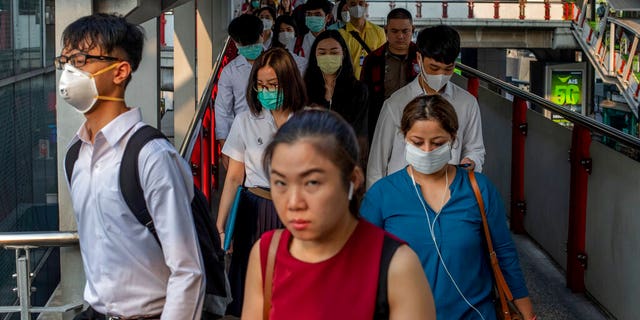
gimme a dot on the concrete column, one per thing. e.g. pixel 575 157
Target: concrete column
pixel 67 123
pixel 144 89
pixel 204 39
pixel 184 69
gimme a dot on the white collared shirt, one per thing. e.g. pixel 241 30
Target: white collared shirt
pixel 247 142
pixel 387 148
pixel 231 97
pixel 127 273
pixel 307 42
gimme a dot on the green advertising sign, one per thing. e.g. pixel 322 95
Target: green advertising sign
pixel 566 89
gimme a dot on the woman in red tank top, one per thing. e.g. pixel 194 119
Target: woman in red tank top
pixel 329 264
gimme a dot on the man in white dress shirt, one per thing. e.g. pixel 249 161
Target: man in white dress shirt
pixel 438 48
pixel 246 31
pixel 317 15
pixel 129 275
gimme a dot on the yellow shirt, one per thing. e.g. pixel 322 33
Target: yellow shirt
pixel 372 35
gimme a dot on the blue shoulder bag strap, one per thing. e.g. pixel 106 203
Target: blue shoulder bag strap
pixel 130 177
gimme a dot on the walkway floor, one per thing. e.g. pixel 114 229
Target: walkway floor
pixel 547 286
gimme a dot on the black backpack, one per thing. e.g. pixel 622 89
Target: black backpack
pixel 217 291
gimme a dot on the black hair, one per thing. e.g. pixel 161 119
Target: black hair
pixel 271 10
pixel 441 43
pixel 399 13
pixel 108 32
pixel 431 107
pixel 314 78
pixel 246 29
pixel 341 5
pixel 330 135
pixel 325 5
pixel 290 82
pixel 276 29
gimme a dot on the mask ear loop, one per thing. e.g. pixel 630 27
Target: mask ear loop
pixel 455 284
pixel 93 76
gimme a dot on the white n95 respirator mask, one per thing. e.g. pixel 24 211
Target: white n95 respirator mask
pixel 78 87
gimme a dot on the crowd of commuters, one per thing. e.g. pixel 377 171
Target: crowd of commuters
pixel 319 107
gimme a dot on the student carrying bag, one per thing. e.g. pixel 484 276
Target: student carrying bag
pixel 217 290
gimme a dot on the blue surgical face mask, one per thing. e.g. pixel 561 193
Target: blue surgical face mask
pixel 251 52
pixel 270 100
pixel 315 24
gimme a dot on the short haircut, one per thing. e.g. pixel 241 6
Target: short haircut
pixel 441 43
pixel 271 10
pixel 399 13
pixel 330 135
pixel 325 5
pixel 108 32
pixel 246 29
pixel 432 107
pixel 290 83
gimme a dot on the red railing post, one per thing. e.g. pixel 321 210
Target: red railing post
pixel 496 9
pixel 418 9
pixel 518 137
pixel 547 10
pixel 580 169
pixel 163 23
pixel 470 5
pixel 445 12
pixel 521 5
pixel 473 83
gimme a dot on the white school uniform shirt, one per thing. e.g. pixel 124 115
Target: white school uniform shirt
pixel 387 153
pixel 127 273
pixel 231 98
pixel 307 42
pixel 247 141
pixel 266 44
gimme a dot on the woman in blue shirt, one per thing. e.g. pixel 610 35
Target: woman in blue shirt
pixel 430 204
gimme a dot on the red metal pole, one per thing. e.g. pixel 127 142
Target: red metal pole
pixel 470 5
pixel 580 170
pixel 518 138
pixel 206 152
pixel 445 12
pixel 496 9
pixel 472 86
pixel 547 10
pixel 521 7
pixel 163 23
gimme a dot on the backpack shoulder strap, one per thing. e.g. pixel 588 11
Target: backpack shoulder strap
pixel 389 247
pixel 360 41
pixel 71 158
pixel 130 178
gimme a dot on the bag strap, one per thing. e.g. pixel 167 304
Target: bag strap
pixel 130 178
pixel 389 248
pixel 504 293
pixel 268 277
pixel 364 45
pixel 71 158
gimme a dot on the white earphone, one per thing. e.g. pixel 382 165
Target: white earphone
pixel 351 186
pixel 433 237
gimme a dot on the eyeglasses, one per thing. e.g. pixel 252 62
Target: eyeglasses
pixel 79 59
pixel 267 87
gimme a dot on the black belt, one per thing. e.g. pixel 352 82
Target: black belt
pixel 99 316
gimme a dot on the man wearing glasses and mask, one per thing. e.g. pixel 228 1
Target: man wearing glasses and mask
pixel 129 273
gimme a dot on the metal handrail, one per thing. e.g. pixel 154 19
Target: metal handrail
pixel 22 243
pixel 38 239
pixel 574 117
pixel 196 123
